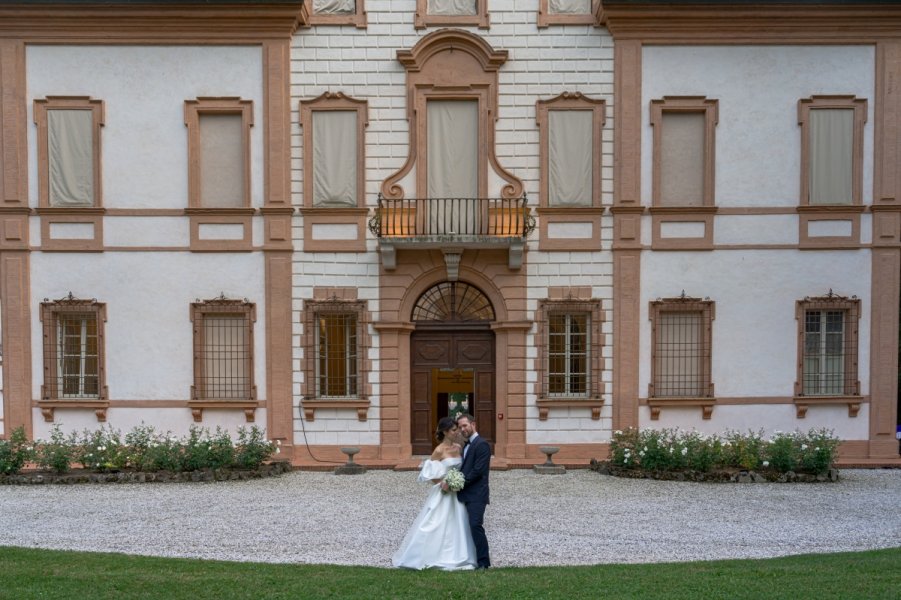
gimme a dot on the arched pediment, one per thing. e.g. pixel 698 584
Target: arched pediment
pixel 451 40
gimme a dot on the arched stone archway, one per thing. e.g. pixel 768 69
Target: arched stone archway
pixel 452 361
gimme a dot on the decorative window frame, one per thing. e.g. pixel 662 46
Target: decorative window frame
pixel 684 304
pixel 215 216
pixel 422 19
pixel 546 18
pixel 849 213
pixel 556 214
pixel 49 315
pixel 703 214
pixel 314 216
pixel 217 306
pixel 357 19
pixel 859 106
pixel 572 301
pixel 851 308
pixel 65 215
pixel 335 301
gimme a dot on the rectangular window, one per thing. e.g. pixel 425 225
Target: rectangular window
pixel 221 161
pixel 219 152
pixel 73 350
pixel 568 355
pixel 683 151
pixel 679 354
pixel 680 350
pixel 223 350
pixel 824 352
pixel 334 7
pixel 77 365
pixel 336 355
pixel 71 157
pixel 335 344
pixel 570 346
pixel 452 7
pixel 453 137
pixel 339 12
pixel 570 157
pixel 827 331
pixel 682 159
pixel 335 157
pixel 431 13
pixel 69 151
pixel 831 155
pixel 832 129
pixel 569 7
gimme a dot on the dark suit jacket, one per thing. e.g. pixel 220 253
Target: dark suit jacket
pixel 475 470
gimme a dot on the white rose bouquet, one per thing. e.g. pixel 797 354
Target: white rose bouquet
pixel 454 480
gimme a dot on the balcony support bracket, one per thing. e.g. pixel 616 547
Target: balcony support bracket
pixel 514 257
pixel 389 255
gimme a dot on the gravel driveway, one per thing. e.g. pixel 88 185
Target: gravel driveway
pixel 577 518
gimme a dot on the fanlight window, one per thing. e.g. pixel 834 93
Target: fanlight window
pixel 453 301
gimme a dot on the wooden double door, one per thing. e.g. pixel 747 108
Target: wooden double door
pixel 450 365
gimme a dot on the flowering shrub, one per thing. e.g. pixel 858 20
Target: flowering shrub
pixel 59 452
pixel 102 450
pixel 674 450
pixel 253 448
pixel 15 452
pixel 743 450
pixel 143 449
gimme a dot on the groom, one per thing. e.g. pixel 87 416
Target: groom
pixel 476 459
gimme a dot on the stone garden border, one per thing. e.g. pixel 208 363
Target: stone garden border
pixel 715 476
pixel 273 469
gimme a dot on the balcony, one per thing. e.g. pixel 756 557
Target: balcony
pixel 453 225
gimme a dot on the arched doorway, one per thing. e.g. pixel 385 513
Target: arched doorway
pixel 452 360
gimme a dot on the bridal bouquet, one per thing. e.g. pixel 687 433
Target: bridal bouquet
pixel 454 480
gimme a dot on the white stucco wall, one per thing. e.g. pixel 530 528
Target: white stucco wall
pixel 149 334
pixel 758 139
pixel 758 165
pixel 363 64
pixel 754 346
pixel 144 88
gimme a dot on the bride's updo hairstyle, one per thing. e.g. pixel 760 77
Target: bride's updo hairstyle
pixel 444 425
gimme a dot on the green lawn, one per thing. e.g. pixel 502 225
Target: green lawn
pixel 26 573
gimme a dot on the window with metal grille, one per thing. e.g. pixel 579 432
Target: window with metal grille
pixel 335 342
pixel 73 349
pixel 336 355
pixel 680 362
pixel 828 346
pixel 568 343
pixel 76 356
pixel 223 350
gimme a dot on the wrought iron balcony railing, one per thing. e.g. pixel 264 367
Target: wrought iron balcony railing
pixel 408 218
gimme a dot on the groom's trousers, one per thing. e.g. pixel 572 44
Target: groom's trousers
pixel 476 512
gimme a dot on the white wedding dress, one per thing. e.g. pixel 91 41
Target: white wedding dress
pixel 440 537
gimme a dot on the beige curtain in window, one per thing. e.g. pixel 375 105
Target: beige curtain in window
pixel 334 7
pixel 569 7
pixel 221 161
pixel 831 155
pixel 679 354
pixel 452 7
pixel 70 141
pixel 453 165
pixel 334 158
pixel 570 159
pixel 226 361
pixel 682 159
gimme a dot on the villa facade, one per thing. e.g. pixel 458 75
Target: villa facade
pixel 341 220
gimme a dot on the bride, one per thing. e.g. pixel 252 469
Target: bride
pixel 440 536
